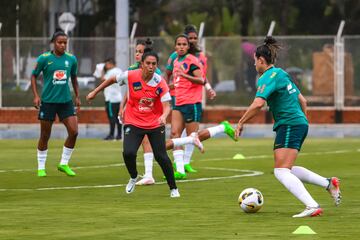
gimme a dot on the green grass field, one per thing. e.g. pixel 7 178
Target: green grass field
pixel 94 205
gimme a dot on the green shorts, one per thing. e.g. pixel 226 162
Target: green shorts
pixel 290 136
pixel 172 102
pixel 190 112
pixel 48 111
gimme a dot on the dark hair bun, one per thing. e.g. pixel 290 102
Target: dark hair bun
pixel 148 45
pixel 269 40
pixel 190 28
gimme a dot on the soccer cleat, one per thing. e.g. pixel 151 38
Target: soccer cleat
pixel 196 141
pixel 309 212
pixel 41 173
pixel 189 169
pixel 130 187
pixel 334 190
pixel 174 193
pixel 109 138
pixel 229 130
pixel 179 176
pixel 66 169
pixel 146 181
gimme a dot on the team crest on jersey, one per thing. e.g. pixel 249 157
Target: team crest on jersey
pixel 137 86
pixel 184 66
pixel 59 77
pixel 158 91
pixel 273 75
pixel 146 104
pixel 66 63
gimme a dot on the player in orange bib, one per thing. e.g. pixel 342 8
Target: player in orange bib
pixel 146 111
pixel 188 78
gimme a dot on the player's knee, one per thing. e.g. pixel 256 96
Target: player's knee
pixel 129 154
pixel 73 133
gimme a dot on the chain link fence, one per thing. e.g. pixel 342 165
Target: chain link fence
pixel 308 59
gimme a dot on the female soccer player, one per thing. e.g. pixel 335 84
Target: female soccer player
pixel 192 34
pixel 57 67
pixel 288 107
pixel 188 80
pixel 146 111
pixel 148 178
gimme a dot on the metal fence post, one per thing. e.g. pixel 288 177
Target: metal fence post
pixel 339 76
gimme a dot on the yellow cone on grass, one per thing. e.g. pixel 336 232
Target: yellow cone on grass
pixel 239 156
pixel 304 230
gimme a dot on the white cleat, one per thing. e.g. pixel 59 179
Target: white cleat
pixel 197 142
pixel 334 190
pixel 130 187
pixel 174 193
pixel 309 212
pixel 146 181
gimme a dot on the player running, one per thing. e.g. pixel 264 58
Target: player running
pixel 288 107
pixel 146 111
pixel 147 178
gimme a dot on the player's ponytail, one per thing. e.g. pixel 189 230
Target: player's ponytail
pixel 148 45
pixel 268 50
pixel 148 51
pixel 58 32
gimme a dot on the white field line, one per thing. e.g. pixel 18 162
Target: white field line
pixel 205 160
pixel 247 173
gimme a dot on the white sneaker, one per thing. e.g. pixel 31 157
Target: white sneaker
pixel 146 181
pixel 174 193
pixel 309 212
pixel 334 190
pixel 130 187
pixel 197 142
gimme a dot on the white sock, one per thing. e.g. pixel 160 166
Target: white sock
pixel 184 134
pixel 216 130
pixel 41 157
pixel 179 160
pixel 66 155
pixel 182 141
pixel 305 175
pixel 148 162
pixel 295 186
pixel 189 148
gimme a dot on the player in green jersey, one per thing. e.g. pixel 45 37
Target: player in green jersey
pixel 288 107
pixel 57 67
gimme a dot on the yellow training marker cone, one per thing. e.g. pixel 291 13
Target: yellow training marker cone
pixel 304 230
pixel 239 156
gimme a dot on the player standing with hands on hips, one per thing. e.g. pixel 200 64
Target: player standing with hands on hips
pixel 288 107
pixel 58 67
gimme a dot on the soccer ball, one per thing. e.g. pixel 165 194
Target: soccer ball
pixel 251 200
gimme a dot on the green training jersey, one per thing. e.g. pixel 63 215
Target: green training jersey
pixel 57 71
pixel 137 66
pixel 281 95
pixel 170 62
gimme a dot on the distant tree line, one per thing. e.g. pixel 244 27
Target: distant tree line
pixel 222 17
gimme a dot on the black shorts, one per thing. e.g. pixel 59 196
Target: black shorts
pixel 290 136
pixel 48 111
